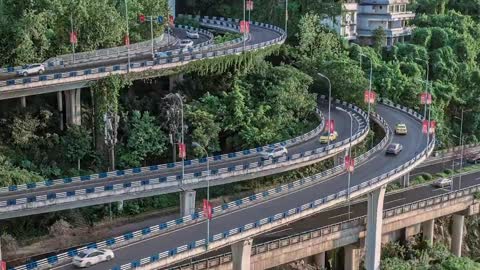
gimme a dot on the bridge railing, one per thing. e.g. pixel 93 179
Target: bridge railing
pixel 221 209
pixel 198 247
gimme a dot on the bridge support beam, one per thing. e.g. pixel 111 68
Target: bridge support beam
pixel 73 107
pixel 406 180
pixel 352 258
pixel 457 234
pixel 319 260
pixel 187 202
pixel 120 206
pixel 427 229
pixel 374 228
pixel 60 108
pixel 23 102
pixel 241 253
pixel 174 80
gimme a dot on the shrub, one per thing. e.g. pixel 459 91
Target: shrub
pixel 427 176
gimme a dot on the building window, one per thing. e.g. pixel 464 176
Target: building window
pixel 397 8
pixel 403 8
pixel 390 8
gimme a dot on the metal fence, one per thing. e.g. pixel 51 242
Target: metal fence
pixel 198 216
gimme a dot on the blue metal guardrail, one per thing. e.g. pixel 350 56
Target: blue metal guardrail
pixel 183 55
pixel 198 216
pixel 294 211
pixel 173 180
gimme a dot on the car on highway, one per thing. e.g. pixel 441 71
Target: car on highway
pixel 193 34
pixel 31 69
pixel 394 148
pixel 186 43
pixel 326 137
pixel 401 129
pixel 443 182
pixel 161 55
pixel 92 256
pixel 274 153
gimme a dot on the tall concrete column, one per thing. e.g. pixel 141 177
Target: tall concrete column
pixel 374 228
pixel 352 261
pixel 172 7
pixel 73 107
pixel 60 108
pixel 241 253
pixel 319 260
pixel 427 229
pixel 187 202
pixel 23 102
pixel 174 80
pixel 457 235
pixel 406 180
pixel 120 206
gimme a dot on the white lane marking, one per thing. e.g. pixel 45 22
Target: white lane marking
pixel 287 229
pixel 396 200
pixel 332 217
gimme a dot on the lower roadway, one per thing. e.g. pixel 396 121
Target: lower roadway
pixel 413 143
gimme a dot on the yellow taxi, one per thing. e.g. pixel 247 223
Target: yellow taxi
pixel 401 129
pixel 326 137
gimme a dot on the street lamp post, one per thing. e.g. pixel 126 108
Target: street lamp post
pixel 128 36
pixel 195 144
pixel 462 147
pixel 286 18
pixel 349 154
pixel 183 135
pixel 244 27
pixel 370 83
pixel 329 104
pixel 426 102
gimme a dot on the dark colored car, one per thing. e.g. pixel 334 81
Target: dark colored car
pixel 394 148
pixel 473 158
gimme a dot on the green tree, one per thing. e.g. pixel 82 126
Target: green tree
pixel 379 38
pixel 144 139
pixel 77 144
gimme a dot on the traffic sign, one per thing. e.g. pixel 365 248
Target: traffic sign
pixel 160 19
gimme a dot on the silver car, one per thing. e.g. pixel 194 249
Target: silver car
pixel 186 43
pixel 274 153
pixel 193 34
pixel 31 69
pixel 443 182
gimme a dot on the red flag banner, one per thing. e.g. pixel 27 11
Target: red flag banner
pixel 182 151
pixel 207 209
pixel 330 125
pixel 349 164
pixel 73 38
pixel 369 96
pixel 244 27
pixel 126 40
pixel 425 98
pixel 171 19
pixel 426 126
pixel 249 5
pixel 4 265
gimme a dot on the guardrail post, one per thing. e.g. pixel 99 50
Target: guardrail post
pixel 352 261
pixel 457 234
pixel 23 102
pixel 241 252
pixel 174 80
pixel 187 202
pixel 374 228
pixel 427 230
pixel 319 260
pixel 73 107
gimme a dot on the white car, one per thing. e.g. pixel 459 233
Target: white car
pixel 186 43
pixel 92 256
pixel 161 55
pixel 31 69
pixel 274 153
pixel 192 34
pixel 441 183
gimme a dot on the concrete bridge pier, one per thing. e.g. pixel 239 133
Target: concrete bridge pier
pixel 406 180
pixel 374 228
pixel 60 108
pixel 120 206
pixel 241 252
pixel 427 229
pixel 187 202
pixel 23 102
pixel 352 258
pixel 174 80
pixel 73 107
pixel 319 260
pixel 457 234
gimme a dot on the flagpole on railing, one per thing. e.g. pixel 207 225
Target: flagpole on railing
pixel 128 36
